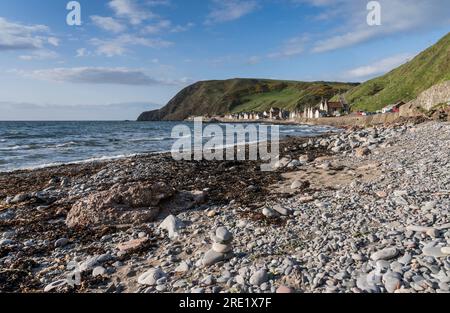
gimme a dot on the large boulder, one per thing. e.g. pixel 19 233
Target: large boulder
pixel 122 204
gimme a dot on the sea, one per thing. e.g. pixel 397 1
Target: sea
pixel 30 145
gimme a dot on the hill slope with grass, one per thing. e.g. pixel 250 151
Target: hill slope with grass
pixel 406 82
pixel 244 95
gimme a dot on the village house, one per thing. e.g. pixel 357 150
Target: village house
pixel 333 108
pixel 392 108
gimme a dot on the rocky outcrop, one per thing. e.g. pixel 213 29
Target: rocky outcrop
pixel 150 116
pixel 129 204
pixel 426 101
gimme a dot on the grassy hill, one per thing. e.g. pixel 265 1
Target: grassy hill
pixel 244 95
pixel 405 82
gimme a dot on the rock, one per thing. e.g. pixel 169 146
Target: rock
pixel 172 224
pixel 62 242
pixel 92 262
pixel 20 198
pixel 259 277
pixel 406 259
pixel 122 204
pixel 7 215
pixel 240 280
pixel 445 250
pixel 281 210
pixel 55 285
pixel 222 248
pixel 433 233
pixel 223 235
pixel 6 242
pixel 365 284
pixel 269 213
pixel 306 158
pixel 281 163
pixel 150 277
pixel 132 245
pixel 182 267
pixel 211 213
pixel 392 281
pixel 208 280
pixel 381 194
pixel 284 289
pixel 98 271
pixel 385 254
pixel 418 229
pixel 362 152
pixel 433 251
pixel 184 200
pixel 212 257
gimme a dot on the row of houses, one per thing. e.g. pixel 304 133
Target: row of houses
pixel 272 114
pixel 324 109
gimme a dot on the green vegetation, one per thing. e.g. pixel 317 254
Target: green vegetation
pixel 244 95
pixel 406 82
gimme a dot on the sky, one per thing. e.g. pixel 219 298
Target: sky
pixel 128 56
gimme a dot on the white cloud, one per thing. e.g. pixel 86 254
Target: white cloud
pixel 39 55
pixel 379 67
pixel 225 11
pixel 82 52
pixel 15 36
pixel 166 26
pixel 160 26
pixel 108 23
pixel 292 47
pixel 53 41
pixel 254 60
pixel 120 45
pixel 130 10
pixel 396 16
pixel 99 75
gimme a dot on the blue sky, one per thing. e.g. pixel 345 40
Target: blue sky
pixel 133 55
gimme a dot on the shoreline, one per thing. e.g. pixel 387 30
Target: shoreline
pixel 338 210
pixel 143 154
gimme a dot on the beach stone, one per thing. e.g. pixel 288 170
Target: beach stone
pixel 433 251
pixel 151 277
pixel 121 204
pixel 222 248
pixel 445 250
pixel 418 229
pixel 98 271
pixel 385 254
pixel 182 267
pixel 367 285
pixel 392 281
pixel 6 242
pixel 20 198
pixel 281 210
pixel 269 213
pixel 223 234
pixel 259 277
pixel 61 242
pixel 172 224
pixel 284 289
pixel 7 215
pixel 132 245
pixel 362 152
pixel 55 285
pixel 433 233
pixel 212 257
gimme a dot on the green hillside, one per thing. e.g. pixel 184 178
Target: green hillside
pixel 405 82
pixel 240 95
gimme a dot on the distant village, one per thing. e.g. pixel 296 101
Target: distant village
pixel 324 109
